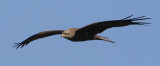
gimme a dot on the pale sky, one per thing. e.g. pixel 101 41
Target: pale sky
pixel 135 45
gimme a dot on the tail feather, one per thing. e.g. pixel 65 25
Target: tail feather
pixel 102 38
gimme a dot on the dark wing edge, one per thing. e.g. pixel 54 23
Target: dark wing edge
pixel 99 27
pixel 38 36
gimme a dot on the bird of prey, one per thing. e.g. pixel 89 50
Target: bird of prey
pixel 85 33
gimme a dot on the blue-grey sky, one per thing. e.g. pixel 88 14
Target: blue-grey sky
pixel 135 45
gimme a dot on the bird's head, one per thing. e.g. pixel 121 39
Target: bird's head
pixel 66 35
pixel 69 33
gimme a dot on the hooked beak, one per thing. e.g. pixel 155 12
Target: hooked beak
pixel 62 35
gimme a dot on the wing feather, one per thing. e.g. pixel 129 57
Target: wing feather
pixel 99 27
pixel 38 36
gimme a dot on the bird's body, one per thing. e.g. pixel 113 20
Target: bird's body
pixel 75 36
pixel 85 33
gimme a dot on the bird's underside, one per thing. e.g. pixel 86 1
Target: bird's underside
pixel 84 36
pixel 85 33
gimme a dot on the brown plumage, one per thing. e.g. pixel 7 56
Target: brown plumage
pixel 88 32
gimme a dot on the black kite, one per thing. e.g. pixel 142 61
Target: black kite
pixel 88 32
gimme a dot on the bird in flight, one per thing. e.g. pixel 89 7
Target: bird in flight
pixel 85 33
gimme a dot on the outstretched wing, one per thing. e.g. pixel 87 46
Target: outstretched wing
pixel 99 27
pixel 38 36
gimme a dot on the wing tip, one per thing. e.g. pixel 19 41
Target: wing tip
pixel 135 19
pixel 19 45
pixel 128 17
